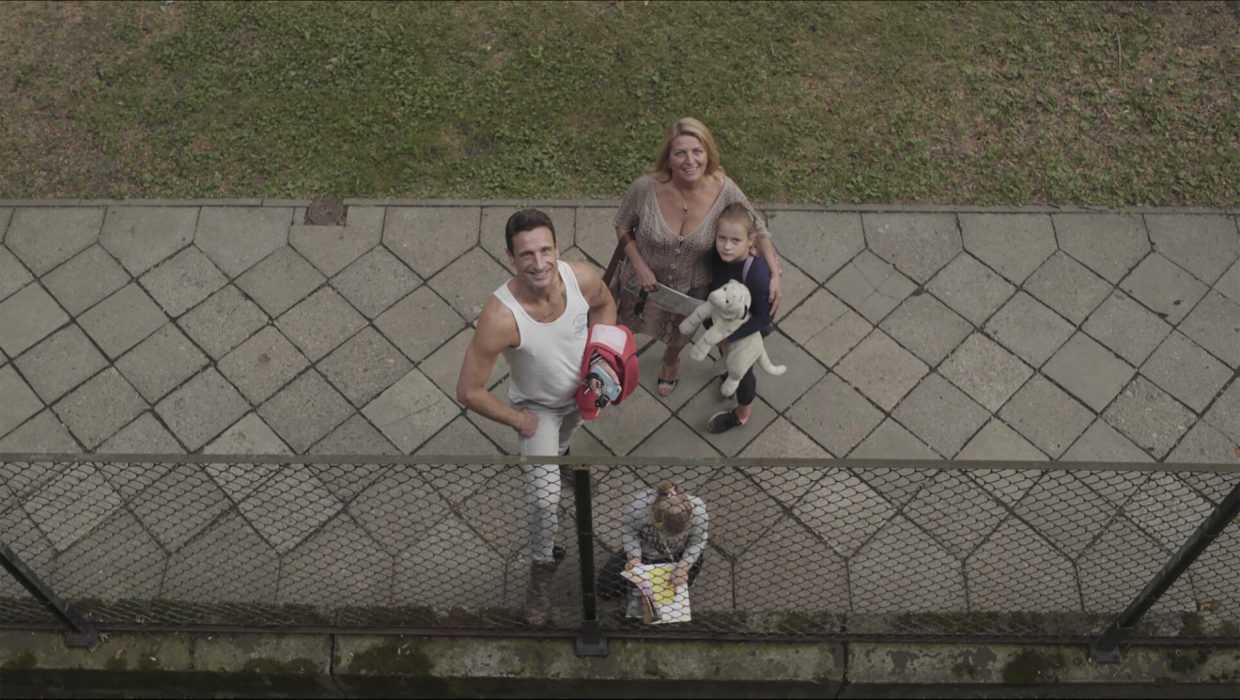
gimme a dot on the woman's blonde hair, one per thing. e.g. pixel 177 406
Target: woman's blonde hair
pixel 687 126
pixel 736 213
pixel 672 510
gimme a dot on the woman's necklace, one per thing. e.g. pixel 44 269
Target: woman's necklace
pixel 684 201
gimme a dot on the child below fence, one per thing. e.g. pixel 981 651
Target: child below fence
pixel 663 525
pixel 735 235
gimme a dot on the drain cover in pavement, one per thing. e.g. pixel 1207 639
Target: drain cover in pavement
pixel 324 211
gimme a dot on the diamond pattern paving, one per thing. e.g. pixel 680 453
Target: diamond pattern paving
pixel 60 362
pixel 1215 326
pixel 330 248
pixel 1088 371
pixel 998 336
pixel 1108 244
pixel 20 402
pixel 201 408
pixel 160 363
pixel 261 365
pixel 281 280
pixel 428 238
pixel 1164 288
pixel 871 286
pixel 1186 371
pixel 27 317
pixel 378 320
pixel 881 369
pixel 13 274
pixel 1068 287
pixel 985 371
pixel 1046 416
pixel 1079 306
pixel 1028 328
pixel 834 415
pixel 817 242
pixel 918 244
pixel 235 238
pixel 185 279
pixel 1203 245
pixel 142 237
pixel 1012 244
pixel 375 281
pixel 926 327
pixel 305 410
pixel 1150 417
pixel 825 327
pixel 44 237
pixel 941 415
pixel 320 323
pixel 122 320
pixel 970 288
pixel 223 321
pixel 99 407
pixel 86 278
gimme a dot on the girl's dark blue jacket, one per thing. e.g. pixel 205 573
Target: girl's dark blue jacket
pixel 759 282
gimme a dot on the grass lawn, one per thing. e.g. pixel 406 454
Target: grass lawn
pixel 1100 103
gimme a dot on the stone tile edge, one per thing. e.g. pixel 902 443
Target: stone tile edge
pixel 611 203
pixel 347 656
pixel 255 202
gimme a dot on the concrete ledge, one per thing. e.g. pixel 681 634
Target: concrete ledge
pixel 1008 664
pixel 773 207
pixel 325 665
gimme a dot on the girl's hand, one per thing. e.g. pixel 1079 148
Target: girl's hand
pixel 680 575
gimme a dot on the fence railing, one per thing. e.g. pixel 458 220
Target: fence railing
pixel 795 549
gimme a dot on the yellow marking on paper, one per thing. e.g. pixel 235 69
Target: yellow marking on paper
pixel 660 582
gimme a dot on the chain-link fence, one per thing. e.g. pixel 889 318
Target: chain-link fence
pixel 779 549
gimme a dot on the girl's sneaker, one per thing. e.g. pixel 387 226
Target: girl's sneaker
pixel 723 421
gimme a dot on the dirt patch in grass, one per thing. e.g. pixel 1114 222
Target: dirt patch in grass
pixel 56 56
pixel 975 103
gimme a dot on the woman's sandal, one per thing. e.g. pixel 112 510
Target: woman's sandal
pixel 666 386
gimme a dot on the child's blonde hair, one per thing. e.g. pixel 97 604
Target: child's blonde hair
pixel 737 213
pixel 672 510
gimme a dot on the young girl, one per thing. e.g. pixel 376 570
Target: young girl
pixel 735 235
pixel 662 525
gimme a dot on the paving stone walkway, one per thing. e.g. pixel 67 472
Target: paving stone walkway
pixel 234 327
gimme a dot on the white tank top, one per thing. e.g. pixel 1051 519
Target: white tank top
pixel 546 366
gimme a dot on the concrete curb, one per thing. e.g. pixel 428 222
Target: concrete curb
pixel 611 203
pixel 332 665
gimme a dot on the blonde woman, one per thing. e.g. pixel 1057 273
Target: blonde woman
pixel 662 525
pixel 668 219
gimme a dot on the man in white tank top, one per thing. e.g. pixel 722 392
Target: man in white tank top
pixel 539 320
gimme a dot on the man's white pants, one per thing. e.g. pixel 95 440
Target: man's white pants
pixel 555 431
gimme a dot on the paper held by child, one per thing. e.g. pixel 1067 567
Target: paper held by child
pixel 661 602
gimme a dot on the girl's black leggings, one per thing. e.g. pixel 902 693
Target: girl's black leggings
pixel 747 389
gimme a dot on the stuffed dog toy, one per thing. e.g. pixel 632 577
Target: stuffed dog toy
pixel 728 309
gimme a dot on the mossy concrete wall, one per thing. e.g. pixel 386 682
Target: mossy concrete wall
pixel 354 665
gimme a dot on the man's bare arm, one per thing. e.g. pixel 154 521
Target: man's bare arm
pixel 602 305
pixel 497 329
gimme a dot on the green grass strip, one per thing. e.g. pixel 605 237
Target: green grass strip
pixel 954 103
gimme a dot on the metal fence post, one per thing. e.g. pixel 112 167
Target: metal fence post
pixel 80 633
pixel 591 641
pixel 1105 649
